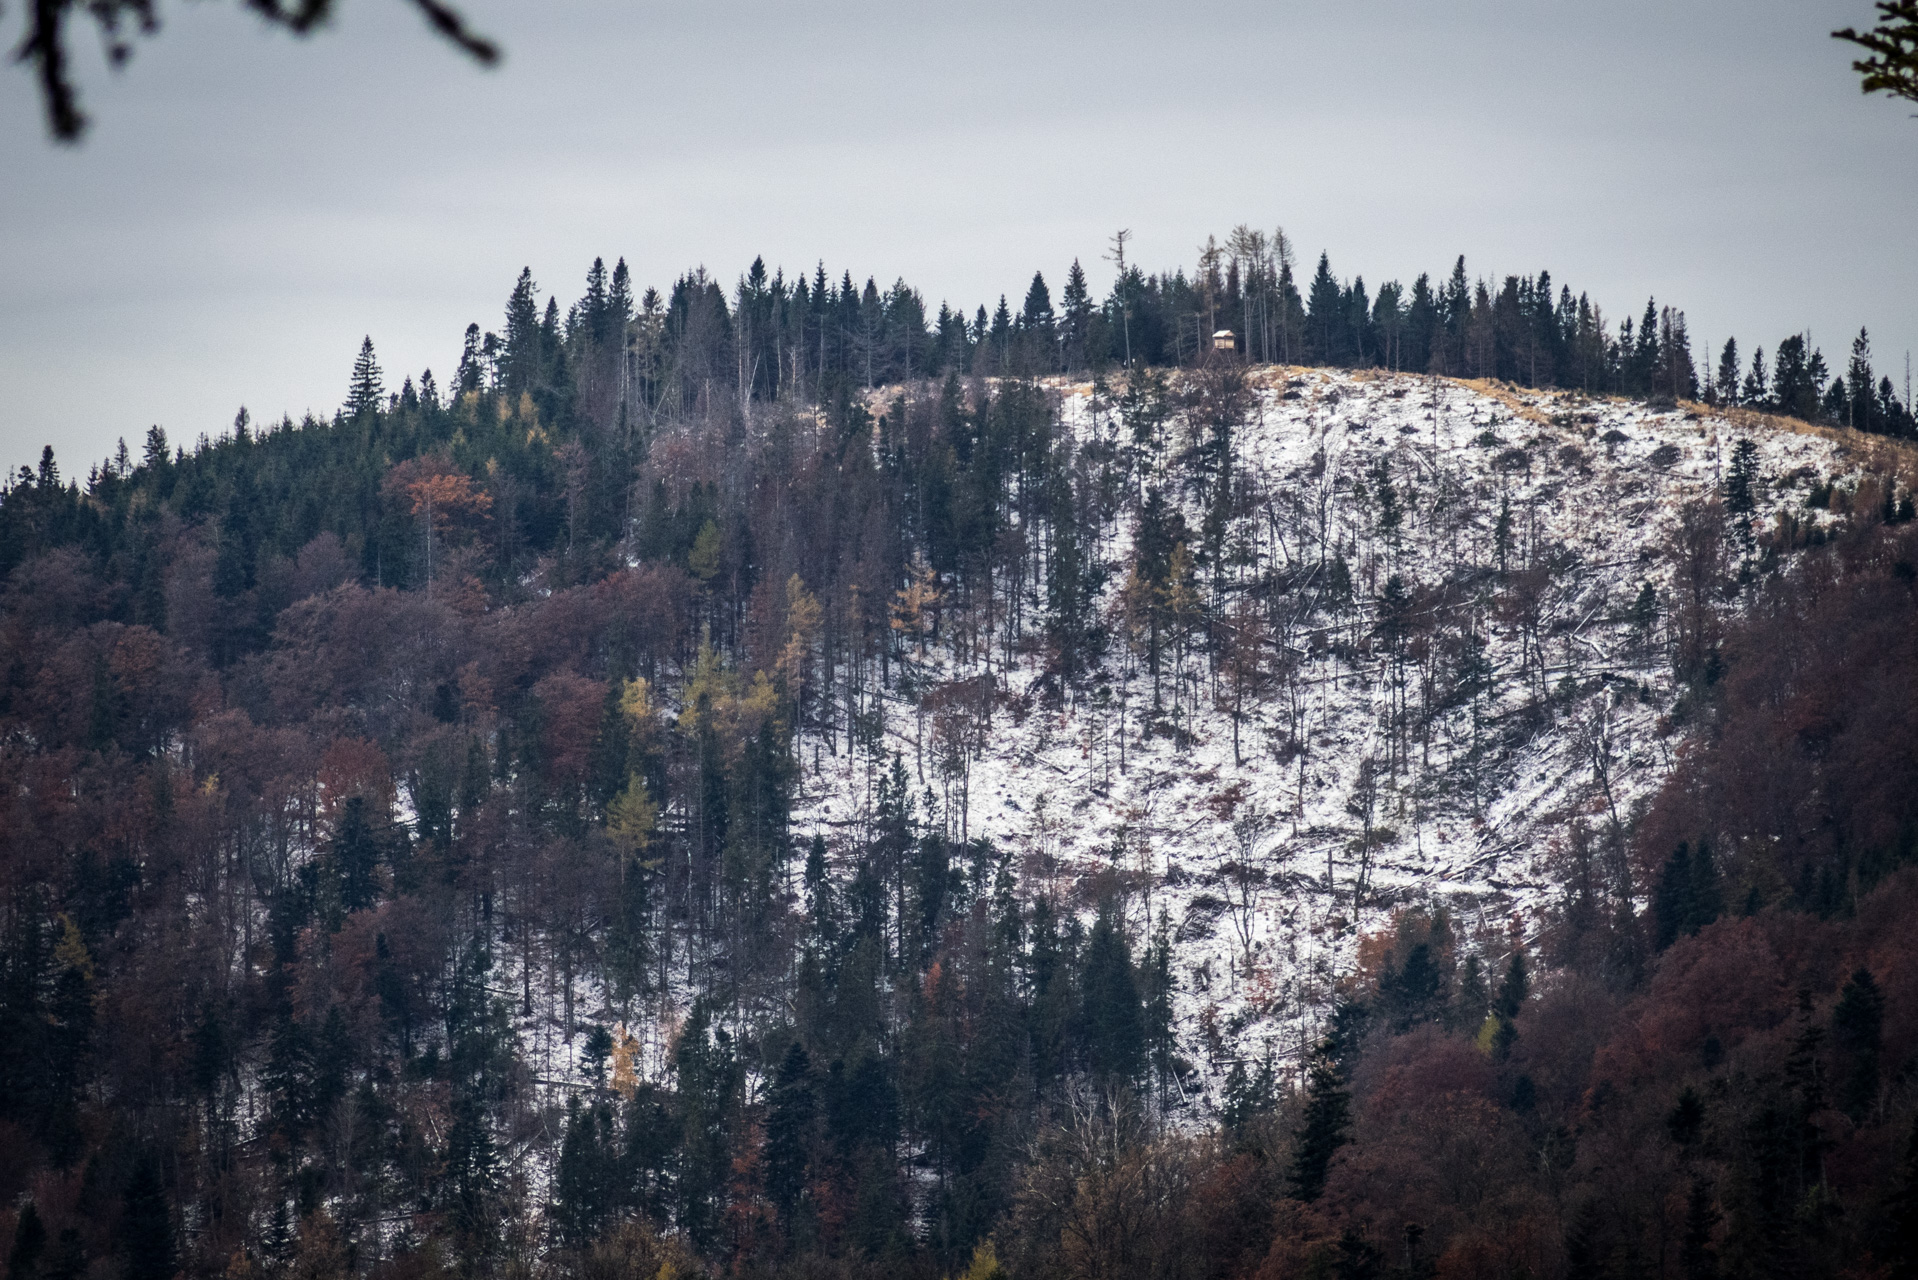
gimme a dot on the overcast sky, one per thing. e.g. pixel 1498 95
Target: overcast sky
pixel 249 205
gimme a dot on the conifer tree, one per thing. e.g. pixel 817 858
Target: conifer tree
pixel 1686 897
pixel 472 368
pixel 1899 1238
pixel 1726 385
pixel 585 1177
pixel 1794 390
pixel 1323 303
pixel 155 455
pixel 520 363
pixel 1323 1128
pixel 1687 1119
pixel 1860 400
pixel 789 1121
pixel 1076 314
pixel 29 1241
pixel 365 390
pixel 146 1224
pixel 1114 1021
pixel 1892 67
pixel 1643 358
pixel 1857 1034
pixel 1757 388
pixel 356 856
pixel 1584 1250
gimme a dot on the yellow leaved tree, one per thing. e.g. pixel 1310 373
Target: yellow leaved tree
pixel 632 817
pixel 802 621
pixel 717 699
pixel 915 606
pixel 625 1062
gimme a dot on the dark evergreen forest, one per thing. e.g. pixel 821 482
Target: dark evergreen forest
pixel 399 878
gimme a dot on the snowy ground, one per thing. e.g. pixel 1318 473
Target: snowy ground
pixel 1593 486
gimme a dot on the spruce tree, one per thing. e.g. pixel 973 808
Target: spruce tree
pixel 1860 397
pixel 1076 306
pixel 1899 1234
pixel 1757 389
pixel 146 1224
pixel 789 1122
pixel 356 857
pixel 585 1178
pixel 1514 986
pixel 1726 386
pixel 1793 390
pixel 1323 1129
pixel 1114 1019
pixel 472 367
pixel 1857 1033
pixel 1741 480
pixel 1584 1248
pixel 1697 1259
pixel 1323 304
pixel 520 364
pixel 1643 357
pixel 29 1241
pixel 1672 907
pixel 364 391
pixel 155 456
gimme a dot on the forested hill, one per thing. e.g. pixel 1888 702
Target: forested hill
pixel 761 781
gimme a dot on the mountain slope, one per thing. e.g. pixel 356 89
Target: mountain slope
pixel 1525 703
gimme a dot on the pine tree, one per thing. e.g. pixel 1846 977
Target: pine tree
pixel 288 1077
pixel 1514 986
pixel 364 392
pixel 1036 315
pixel 1471 1001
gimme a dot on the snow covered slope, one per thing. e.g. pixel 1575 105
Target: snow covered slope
pixel 1529 521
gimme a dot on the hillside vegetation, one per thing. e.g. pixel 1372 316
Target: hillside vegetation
pixel 730 788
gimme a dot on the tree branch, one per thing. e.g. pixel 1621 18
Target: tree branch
pixel 45 47
pixel 1895 42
